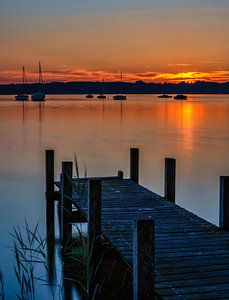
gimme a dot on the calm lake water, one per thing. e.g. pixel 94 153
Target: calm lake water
pixel 195 132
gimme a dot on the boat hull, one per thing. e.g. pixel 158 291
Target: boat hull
pixel 38 96
pixel 22 97
pixel 180 97
pixel 164 96
pixel 89 96
pixel 119 97
pixel 101 97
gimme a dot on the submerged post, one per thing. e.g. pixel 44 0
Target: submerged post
pixel 49 178
pixel 143 260
pixel 66 202
pixel 94 231
pixel 170 179
pixel 134 164
pixel 224 203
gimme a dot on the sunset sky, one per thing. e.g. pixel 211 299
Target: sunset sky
pixel 173 40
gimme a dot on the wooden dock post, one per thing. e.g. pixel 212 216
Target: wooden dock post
pixel 94 210
pixel 120 174
pixel 143 260
pixel 170 179
pixel 94 231
pixel 134 164
pixel 49 180
pixel 224 203
pixel 66 204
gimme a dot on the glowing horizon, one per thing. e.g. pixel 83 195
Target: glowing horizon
pixel 69 75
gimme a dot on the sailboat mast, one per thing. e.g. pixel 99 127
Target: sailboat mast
pixel 40 80
pixel 23 75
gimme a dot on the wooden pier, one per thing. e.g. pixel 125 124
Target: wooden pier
pixel 173 253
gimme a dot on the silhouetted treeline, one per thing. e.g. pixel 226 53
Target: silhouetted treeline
pixel 139 87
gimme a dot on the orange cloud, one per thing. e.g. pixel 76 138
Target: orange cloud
pixel 67 74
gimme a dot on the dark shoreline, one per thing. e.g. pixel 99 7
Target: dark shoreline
pixel 139 87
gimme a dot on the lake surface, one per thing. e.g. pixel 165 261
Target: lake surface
pixel 100 133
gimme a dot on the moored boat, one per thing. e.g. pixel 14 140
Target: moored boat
pixel 101 96
pixel 22 97
pixel 40 95
pixel 180 97
pixel 89 96
pixel 119 97
pixel 164 96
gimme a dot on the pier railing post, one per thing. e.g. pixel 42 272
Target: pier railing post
pixel 66 204
pixel 134 164
pixel 170 179
pixel 143 260
pixel 224 203
pixel 49 180
pixel 94 230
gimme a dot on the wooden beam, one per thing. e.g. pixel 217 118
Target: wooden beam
pixel 134 164
pixel 170 179
pixel 224 203
pixel 143 260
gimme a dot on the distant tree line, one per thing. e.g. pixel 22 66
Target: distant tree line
pixel 139 87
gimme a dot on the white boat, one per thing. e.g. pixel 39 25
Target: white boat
pixel 22 97
pixel 40 95
pixel 120 97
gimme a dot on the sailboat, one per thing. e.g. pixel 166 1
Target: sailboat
pixel 120 97
pixel 102 96
pixel 39 96
pixel 22 97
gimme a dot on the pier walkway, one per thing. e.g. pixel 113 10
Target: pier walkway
pixel 191 254
pixel 184 256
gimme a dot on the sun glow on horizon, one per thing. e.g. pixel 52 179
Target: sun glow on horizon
pixel 67 75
